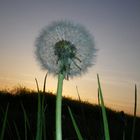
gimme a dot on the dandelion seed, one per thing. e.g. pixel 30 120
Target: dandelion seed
pixel 65 47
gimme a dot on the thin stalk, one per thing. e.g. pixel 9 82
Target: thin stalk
pixel 44 87
pixel 10 133
pixel 83 115
pixel 99 97
pixel 39 116
pixel 100 115
pixel 134 120
pixel 41 122
pixel 75 125
pixel 43 108
pixel 105 122
pixel 26 121
pixel 17 131
pixel 78 94
pixel 4 123
pixel 37 85
pixel 59 107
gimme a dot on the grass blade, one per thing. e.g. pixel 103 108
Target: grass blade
pixel 26 121
pixel 17 132
pixel 78 94
pixel 4 123
pixel 9 130
pixel 134 120
pixel 100 115
pixel 86 130
pixel 44 123
pixel 99 97
pixel 39 116
pixel 41 122
pixel 43 109
pixel 37 85
pixel 44 87
pixel 105 122
pixel 75 125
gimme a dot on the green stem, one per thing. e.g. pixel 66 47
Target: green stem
pixel 105 121
pixel 58 107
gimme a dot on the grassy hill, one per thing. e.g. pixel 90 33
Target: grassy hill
pixel 87 116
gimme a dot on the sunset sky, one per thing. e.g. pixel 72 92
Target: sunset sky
pixel 115 25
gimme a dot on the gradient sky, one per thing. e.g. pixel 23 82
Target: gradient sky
pixel 115 25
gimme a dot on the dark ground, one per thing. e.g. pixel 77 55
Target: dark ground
pixel 87 116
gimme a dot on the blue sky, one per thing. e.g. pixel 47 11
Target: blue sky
pixel 115 26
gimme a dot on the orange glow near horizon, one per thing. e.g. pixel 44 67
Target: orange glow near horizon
pixel 111 97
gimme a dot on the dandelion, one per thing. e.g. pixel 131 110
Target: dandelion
pixel 67 50
pixel 65 47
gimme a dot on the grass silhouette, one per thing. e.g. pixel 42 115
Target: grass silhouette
pixel 22 117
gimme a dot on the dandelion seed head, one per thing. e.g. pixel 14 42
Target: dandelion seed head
pixel 65 46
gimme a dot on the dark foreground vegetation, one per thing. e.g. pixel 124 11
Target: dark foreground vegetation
pixel 87 116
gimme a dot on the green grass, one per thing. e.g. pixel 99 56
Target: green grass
pixel 17 132
pixel 26 122
pixel 104 115
pixel 4 123
pixel 79 136
pixel 41 121
pixel 31 115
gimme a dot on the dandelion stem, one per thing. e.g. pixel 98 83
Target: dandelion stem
pixel 58 107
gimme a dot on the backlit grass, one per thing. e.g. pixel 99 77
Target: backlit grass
pixel 20 115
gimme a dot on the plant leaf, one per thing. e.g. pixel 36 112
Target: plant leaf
pixel 75 125
pixel 105 122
